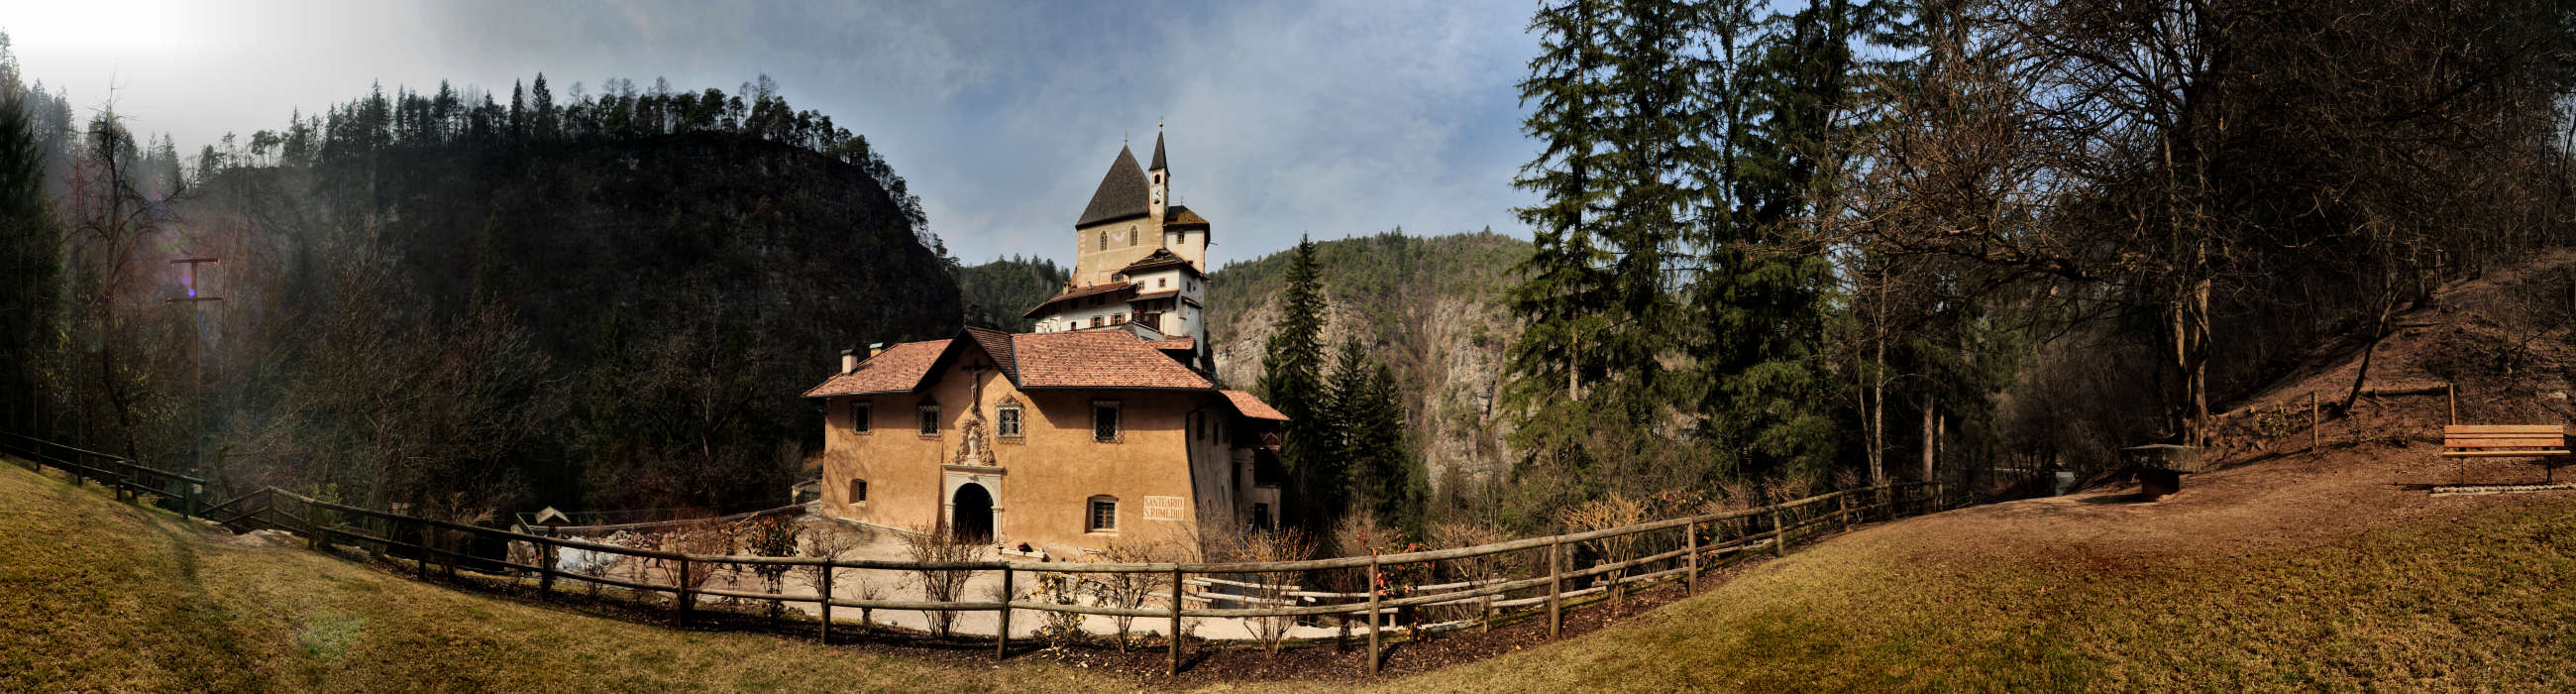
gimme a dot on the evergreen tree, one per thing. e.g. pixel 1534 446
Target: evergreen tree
pixel 30 244
pixel 1563 284
pixel 1764 289
pixel 546 124
pixel 1386 478
pixel 1292 381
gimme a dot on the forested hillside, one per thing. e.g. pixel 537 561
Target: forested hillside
pixel 1429 307
pixel 435 300
pixel 996 294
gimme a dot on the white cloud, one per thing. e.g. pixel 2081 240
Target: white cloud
pixel 1285 117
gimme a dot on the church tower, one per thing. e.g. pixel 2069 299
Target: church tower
pixel 1158 181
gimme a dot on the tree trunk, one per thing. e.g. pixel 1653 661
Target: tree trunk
pixel 1927 438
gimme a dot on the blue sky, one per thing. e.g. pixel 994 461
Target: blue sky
pixel 1282 118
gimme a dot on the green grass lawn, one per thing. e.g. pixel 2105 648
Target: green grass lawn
pixel 2486 600
pixel 101 596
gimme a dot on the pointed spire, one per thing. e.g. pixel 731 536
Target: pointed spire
pixel 1158 148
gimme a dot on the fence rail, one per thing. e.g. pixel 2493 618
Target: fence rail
pixel 1696 544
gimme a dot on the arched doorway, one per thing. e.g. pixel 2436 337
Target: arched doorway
pixel 972 513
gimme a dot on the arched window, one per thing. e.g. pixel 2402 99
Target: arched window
pixel 1104 240
pixel 858 491
pixel 1131 235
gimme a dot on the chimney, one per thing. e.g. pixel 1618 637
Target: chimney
pixel 875 348
pixel 849 360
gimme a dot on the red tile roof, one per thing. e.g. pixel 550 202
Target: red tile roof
pixel 1159 259
pixel 1253 407
pixel 1077 293
pixel 1177 343
pixel 997 344
pixel 898 369
pixel 1114 359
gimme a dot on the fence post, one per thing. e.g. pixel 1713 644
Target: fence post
pixel 1002 636
pixel 824 632
pixel 321 529
pixel 1690 542
pixel 680 594
pixel 1176 620
pixel 545 567
pixel 443 534
pixel 420 547
pixel 1779 534
pixel 1555 585
pixel 1373 586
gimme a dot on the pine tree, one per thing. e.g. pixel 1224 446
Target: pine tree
pixel 1292 381
pixel 1764 289
pixel 1562 286
pixel 546 123
pixel 33 239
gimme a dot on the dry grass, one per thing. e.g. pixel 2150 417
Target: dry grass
pixel 2477 600
pixel 101 596
pixel 2450 595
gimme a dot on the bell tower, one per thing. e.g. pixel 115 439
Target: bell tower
pixel 1158 181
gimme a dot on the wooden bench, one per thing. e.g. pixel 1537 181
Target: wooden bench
pixel 2545 441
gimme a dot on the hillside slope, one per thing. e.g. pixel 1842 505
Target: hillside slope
pixel 100 596
pixel 1430 307
pixel 2307 560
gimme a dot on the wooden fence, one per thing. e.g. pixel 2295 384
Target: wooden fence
pixel 1671 549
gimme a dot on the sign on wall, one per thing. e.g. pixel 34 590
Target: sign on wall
pixel 1163 508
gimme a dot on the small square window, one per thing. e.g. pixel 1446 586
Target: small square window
pixel 858 491
pixel 1007 421
pixel 1117 319
pixel 1104 420
pixel 1104 515
pixel 1160 282
pixel 859 417
pixel 930 420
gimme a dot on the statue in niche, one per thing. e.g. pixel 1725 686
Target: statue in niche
pixel 975 436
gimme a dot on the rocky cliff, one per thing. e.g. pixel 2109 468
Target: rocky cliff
pixel 1430 307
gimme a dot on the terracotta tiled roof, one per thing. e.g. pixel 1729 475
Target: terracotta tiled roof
pixel 1177 343
pixel 1182 216
pixel 898 369
pixel 1077 293
pixel 1122 192
pixel 997 344
pixel 1253 407
pixel 1113 359
pixel 1159 259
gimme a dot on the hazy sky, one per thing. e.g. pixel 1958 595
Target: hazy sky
pixel 1282 117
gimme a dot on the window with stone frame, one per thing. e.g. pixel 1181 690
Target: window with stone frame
pixel 1104 421
pixel 1006 420
pixel 1103 517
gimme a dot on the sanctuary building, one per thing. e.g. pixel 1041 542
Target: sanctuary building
pixel 1105 422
